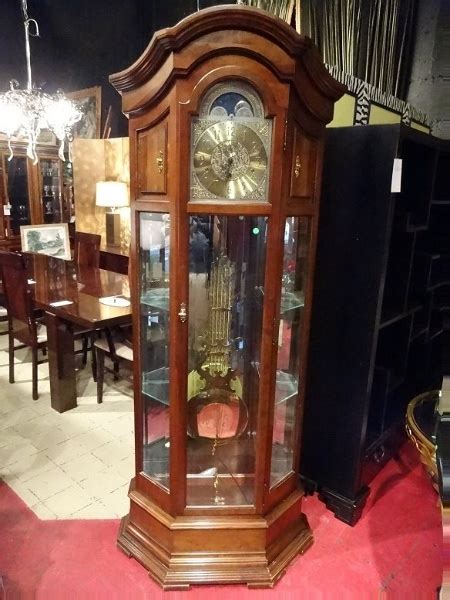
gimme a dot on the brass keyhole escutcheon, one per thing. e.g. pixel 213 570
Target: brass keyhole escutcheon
pixel 298 166
pixel 160 161
pixel 182 312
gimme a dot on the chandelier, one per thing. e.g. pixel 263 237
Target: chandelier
pixel 25 112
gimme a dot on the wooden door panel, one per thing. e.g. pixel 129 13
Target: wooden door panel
pixel 303 168
pixel 152 159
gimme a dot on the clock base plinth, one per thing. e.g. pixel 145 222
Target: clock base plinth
pixel 182 551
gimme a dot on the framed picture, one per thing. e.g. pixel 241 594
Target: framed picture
pixel 52 240
pixel 89 102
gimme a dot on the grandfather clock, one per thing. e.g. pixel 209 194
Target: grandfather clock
pixel 227 113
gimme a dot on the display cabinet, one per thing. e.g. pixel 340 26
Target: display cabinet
pixel 227 114
pixel 29 193
pixel 380 306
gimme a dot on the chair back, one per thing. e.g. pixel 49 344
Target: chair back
pixel 87 249
pixel 17 294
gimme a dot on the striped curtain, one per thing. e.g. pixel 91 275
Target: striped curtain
pixel 391 38
pixel 283 9
pixel 370 39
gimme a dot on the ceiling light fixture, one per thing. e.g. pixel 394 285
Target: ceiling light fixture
pixel 24 113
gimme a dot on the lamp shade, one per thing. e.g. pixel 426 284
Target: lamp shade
pixel 112 194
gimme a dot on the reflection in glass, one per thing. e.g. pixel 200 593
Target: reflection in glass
pixel 17 178
pixel 295 264
pixel 226 279
pixel 154 314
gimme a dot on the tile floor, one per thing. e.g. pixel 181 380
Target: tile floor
pixel 72 465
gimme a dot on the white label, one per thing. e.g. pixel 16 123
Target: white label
pixel 157 270
pixel 396 185
pixel 7 210
pixel 280 333
pixel 61 303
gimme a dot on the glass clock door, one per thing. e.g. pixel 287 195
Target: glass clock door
pixel 154 344
pixel 226 288
pixel 297 234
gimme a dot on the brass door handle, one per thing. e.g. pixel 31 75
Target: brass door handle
pixel 160 161
pixel 298 166
pixel 182 313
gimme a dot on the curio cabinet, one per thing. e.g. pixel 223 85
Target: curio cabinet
pixel 227 112
pixel 31 192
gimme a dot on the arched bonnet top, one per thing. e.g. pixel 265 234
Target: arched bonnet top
pixel 248 31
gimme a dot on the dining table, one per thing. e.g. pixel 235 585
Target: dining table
pixel 73 297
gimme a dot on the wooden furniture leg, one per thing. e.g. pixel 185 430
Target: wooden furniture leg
pixel 61 358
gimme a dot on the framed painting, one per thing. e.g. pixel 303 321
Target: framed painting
pixel 89 102
pixel 45 138
pixel 52 240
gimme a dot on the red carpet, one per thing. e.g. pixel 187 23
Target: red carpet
pixel 395 551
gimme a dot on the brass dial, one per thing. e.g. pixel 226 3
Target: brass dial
pixel 230 160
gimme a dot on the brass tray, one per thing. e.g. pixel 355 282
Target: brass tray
pixel 422 441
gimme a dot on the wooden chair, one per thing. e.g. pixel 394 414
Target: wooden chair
pixel 3 313
pixel 117 346
pixel 86 249
pixel 86 253
pixel 23 325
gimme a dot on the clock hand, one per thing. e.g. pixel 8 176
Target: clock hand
pixel 230 162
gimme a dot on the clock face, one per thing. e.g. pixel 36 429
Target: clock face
pixel 230 160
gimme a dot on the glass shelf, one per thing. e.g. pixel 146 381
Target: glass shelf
pixel 286 385
pixel 156 460
pixel 292 301
pixel 157 298
pixel 155 384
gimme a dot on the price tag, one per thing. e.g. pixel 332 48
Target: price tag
pixel 7 210
pixel 280 333
pixel 61 303
pixel 396 184
pixel 157 270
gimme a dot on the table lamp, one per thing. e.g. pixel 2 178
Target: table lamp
pixel 112 194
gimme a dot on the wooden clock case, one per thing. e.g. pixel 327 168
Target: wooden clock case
pixel 178 543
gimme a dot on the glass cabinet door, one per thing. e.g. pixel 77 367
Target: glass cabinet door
pixel 154 344
pixel 226 287
pixel 297 235
pixel 17 193
pixel 51 190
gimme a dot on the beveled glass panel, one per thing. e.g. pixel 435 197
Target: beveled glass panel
pixel 226 289
pixel 297 235
pixel 17 184
pixel 154 343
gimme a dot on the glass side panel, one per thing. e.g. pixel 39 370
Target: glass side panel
pixel 17 178
pixel 51 190
pixel 154 344
pixel 297 234
pixel 226 287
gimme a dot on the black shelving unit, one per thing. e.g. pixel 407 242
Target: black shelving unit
pixel 381 311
